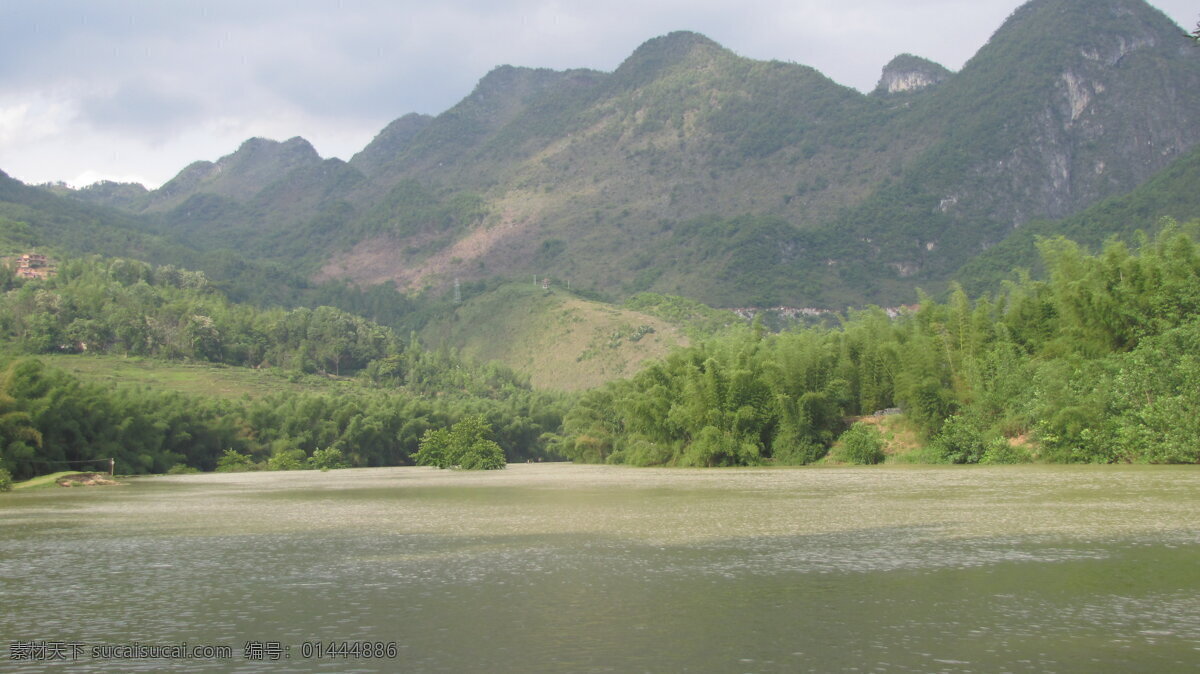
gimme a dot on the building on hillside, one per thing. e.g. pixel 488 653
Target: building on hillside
pixel 33 266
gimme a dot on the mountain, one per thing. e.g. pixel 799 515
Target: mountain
pixel 907 73
pixel 693 171
pixel 1068 103
pixel 1171 194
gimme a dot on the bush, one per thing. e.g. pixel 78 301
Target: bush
pixel 285 458
pixel 714 447
pixel 467 444
pixel 1000 452
pixel 6 483
pixel 961 440
pixel 182 469
pixel 327 459
pixel 862 444
pixel 233 462
pixel 791 449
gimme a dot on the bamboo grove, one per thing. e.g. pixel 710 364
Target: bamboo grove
pixel 1097 363
pixel 50 419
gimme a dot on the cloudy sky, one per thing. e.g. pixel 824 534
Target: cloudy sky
pixel 137 89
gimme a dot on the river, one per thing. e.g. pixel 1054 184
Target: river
pixel 566 568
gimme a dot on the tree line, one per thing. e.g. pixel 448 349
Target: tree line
pixel 1096 363
pixel 50 419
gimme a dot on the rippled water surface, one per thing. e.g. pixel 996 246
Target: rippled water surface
pixel 556 567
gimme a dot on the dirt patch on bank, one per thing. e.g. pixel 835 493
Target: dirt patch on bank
pixel 86 480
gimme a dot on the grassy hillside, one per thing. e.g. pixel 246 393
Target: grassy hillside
pixel 559 340
pixel 199 379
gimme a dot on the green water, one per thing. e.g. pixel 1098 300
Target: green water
pixel 555 567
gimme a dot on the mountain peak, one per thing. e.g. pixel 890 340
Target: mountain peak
pixel 659 54
pixel 907 73
pixel 389 143
pixel 1102 30
pixel 292 151
pixel 239 175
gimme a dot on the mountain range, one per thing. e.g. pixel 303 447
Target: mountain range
pixel 694 171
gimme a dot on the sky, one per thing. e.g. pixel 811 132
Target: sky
pixel 135 90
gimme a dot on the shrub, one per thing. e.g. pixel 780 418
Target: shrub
pixel 862 444
pixel 961 440
pixel 284 458
pixel 714 447
pixel 233 462
pixel 792 449
pixel 6 483
pixel 1000 452
pixel 467 444
pixel 182 469
pixel 327 459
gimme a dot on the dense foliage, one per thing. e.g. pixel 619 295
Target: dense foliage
pixel 50 419
pixel 1095 364
pixel 467 445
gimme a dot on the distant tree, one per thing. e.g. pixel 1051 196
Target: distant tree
pixel 19 438
pixel 327 459
pixel 862 444
pixel 467 444
pixel 232 462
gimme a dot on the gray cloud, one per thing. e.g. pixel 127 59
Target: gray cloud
pixel 140 107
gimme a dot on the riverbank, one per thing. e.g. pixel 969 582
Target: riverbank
pixel 66 478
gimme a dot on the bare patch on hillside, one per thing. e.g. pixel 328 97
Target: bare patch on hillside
pixel 383 259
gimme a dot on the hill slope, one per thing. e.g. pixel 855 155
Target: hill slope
pixel 692 170
pixel 559 340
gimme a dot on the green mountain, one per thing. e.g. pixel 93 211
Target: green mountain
pixel 693 171
pixel 1170 194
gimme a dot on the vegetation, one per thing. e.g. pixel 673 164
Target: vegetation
pixel 862 444
pixel 687 171
pixel 690 171
pixel 1095 364
pixel 467 445
pixel 558 340
pixel 302 411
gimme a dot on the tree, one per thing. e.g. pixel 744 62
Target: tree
pixel 327 459
pixel 862 444
pixel 232 462
pixel 467 444
pixel 18 435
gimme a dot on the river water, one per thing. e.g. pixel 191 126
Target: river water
pixel 558 567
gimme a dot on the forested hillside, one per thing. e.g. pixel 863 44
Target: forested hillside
pixel 50 419
pixel 411 276
pixel 693 171
pixel 1095 364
